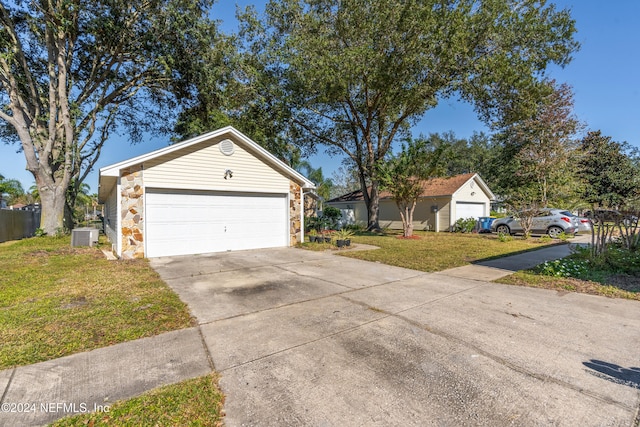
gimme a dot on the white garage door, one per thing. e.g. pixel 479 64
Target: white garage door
pixel 184 223
pixel 469 210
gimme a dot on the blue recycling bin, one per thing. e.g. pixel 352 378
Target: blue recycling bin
pixel 485 223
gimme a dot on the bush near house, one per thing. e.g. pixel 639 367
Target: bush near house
pixel 464 225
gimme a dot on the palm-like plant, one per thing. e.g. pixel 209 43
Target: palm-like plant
pixel 12 187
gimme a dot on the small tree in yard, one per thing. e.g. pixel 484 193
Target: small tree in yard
pixel 403 175
pixel 525 207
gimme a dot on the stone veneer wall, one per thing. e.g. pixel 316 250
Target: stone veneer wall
pixel 310 205
pixel 132 212
pixel 295 212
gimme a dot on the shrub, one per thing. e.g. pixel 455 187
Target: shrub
pixel 566 267
pixel 503 237
pixel 545 239
pixel 464 225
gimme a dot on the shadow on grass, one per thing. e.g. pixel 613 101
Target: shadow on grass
pixel 524 251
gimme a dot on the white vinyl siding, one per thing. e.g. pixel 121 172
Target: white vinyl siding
pixel 203 166
pixel 194 222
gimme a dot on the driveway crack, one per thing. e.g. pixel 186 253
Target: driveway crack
pixel 6 389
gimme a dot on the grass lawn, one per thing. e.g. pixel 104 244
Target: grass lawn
pixel 437 251
pixel 570 284
pixel 615 273
pixel 196 402
pixel 56 300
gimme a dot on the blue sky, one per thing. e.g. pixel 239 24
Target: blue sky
pixel 604 74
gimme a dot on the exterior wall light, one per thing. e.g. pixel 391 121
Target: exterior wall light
pixel 228 174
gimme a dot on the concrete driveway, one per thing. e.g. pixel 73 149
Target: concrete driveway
pixel 308 338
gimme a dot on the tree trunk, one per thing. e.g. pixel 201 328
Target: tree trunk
pixel 373 208
pixel 53 203
pixel 409 228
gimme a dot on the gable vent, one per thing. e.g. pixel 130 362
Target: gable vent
pixel 226 147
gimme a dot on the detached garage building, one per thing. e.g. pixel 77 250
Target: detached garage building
pixel 216 192
pixel 442 203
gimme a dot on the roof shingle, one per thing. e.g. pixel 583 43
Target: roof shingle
pixel 433 187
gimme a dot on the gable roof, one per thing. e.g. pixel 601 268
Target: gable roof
pixel 110 174
pixel 434 187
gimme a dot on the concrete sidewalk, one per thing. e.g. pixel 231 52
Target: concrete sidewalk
pixel 500 267
pixel 38 394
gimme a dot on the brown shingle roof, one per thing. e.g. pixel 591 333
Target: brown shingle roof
pixel 430 188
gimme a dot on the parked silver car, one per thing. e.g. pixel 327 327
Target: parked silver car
pixel 547 221
pixel 584 224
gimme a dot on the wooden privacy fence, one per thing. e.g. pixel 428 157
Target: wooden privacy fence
pixel 15 224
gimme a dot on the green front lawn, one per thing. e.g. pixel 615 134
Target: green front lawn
pixel 196 402
pixel 56 300
pixel 438 251
pixel 615 273
pixel 571 284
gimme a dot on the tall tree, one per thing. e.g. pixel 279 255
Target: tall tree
pixel 610 177
pixel 403 176
pixel 545 148
pixel 223 98
pixel 474 155
pixel 356 74
pixel 72 72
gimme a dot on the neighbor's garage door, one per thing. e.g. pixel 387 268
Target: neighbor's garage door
pixel 183 223
pixel 469 210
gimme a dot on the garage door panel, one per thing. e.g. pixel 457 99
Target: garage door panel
pixel 469 210
pixel 182 223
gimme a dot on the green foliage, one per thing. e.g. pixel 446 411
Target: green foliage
pixel 504 238
pixel 464 225
pixel 323 185
pixel 114 66
pixel 609 174
pixel 13 187
pixel 356 228
pixel 540 150
pixel 585 265
pixel 545 239
pixel 328 219
pixel 40 232
pixel 331 213
pixel 564 268
pixel 403 175
pixel 477 154
pixel 343 234
pixel 356 85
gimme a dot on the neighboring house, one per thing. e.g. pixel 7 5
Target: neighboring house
pixel 216 192
pixel 33 207
pixel 443 201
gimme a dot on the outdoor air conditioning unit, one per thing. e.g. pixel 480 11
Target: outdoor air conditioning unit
pixel 84 236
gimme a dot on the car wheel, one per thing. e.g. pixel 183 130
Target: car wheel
pixel 503 229
pixel 554 232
